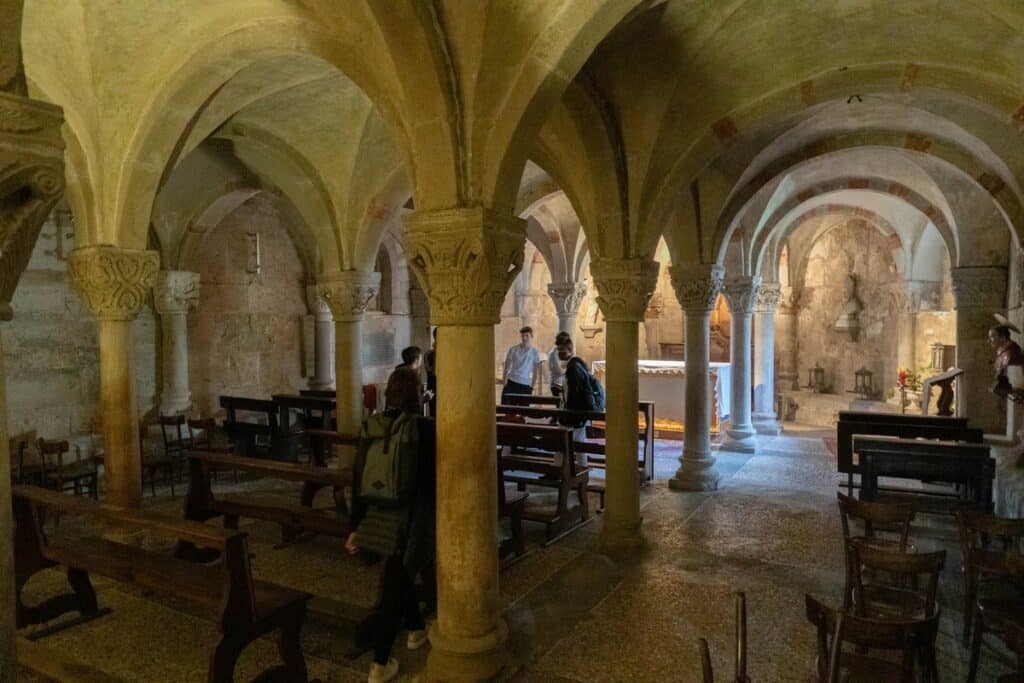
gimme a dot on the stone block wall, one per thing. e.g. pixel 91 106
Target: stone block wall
pixel 51 347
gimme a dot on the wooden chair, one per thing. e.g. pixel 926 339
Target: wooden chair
pixel 707 672
pixel 1015 641
pixel 914 639
pixel 24 468
pixel 998 615
pixel 62 475
pixel 172 429
pixel 983 561
pixel 892 518
pixel 897 596
pixel 154 463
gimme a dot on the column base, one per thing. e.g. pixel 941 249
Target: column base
pixel 621 538
pixel 765 423
pixel 742 439
pixel 458 659
pixel 320 384
pixel 695 474
pixel 175 405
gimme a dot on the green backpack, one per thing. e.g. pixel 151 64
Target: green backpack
pixel 391 443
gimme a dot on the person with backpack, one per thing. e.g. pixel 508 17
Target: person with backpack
pixel 580 389
pixel 393 513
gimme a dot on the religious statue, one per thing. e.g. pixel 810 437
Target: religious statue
pixel 848 322
pixel 1009 359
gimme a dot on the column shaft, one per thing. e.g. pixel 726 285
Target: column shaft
pixel 8 668
pixel 176 395
pixel 621 524
pixel 324 351
pixel 349 373
pixel 979 292
pixel 468 618
pixel 740 430
pixel 764 373
pixel 696 464
pixel 906 358
pixel 120 413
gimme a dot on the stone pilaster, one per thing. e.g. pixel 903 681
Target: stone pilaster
pixel 909 305
pixel 347 294
pixel 697 287
pixel 741 294
pixel 323 339
pixel 763 416
pixel 979 292
pixel 31 183
pixel 787 323
pixel 114 282
pixel 624 288
pixel 465 260
pixel 567 297
pixel 175 294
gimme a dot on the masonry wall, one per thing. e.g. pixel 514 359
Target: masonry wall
pixel 51 347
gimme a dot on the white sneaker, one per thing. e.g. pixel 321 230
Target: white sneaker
pixel 381 674
pixel 416 639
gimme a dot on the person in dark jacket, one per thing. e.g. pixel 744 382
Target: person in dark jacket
pixel 576 393
pixel 403 536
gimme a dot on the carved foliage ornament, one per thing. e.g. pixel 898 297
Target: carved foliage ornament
pixel 979 287
pixel 768 297
pixel 112 281
pixel 31 183
pixel 348 293
pixel 624 286
pixel 567 296
pixel 697 286
pixel 741 293
pixel 176 291
pixel 317 304
pixel 465 260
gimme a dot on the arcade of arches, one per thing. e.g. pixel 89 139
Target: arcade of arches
pixel 250 198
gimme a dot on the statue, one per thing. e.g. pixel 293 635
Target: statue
pixel 1008 355
pixel 848 322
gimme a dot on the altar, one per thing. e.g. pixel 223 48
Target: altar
pixel 663 381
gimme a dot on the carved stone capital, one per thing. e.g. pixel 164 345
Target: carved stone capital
pixel 112 281
pixel 979 287
pixel 768 297
pixel 318 306
pixel 567 296
pixel 465 260
pixel 31 183
pixel 655 306
pixel 176 291
pixel 697 286
pixel 741 292
pixel 624 286
pixel 348 292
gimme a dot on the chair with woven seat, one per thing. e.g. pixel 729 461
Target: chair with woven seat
pixel 876 518
pixel 62 474
pixel 155 463
pixel 914 640
pixel 894 585
pixel 984 541
pixel 708 674
pixel 176 441
pixel 1000 615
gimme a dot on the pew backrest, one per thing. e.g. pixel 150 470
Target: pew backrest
pixel 854 423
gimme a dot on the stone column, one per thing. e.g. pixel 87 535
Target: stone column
pixel 567 297
pixel 764 359
pixel 466 259
pixel 323 340
pixel 624 286
pixel 347 293
pixel 979 292
pixel 114 282
pixel 907 334
pixel 697 288
pixel 175 294
pixel 787 327
pixel 741 294
pixel 652 320
pixel 31 182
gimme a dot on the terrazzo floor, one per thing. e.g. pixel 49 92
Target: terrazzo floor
pixel 771 530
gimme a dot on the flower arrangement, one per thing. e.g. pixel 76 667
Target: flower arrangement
pixel 908 379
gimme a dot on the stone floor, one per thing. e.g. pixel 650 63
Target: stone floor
pixel 771 530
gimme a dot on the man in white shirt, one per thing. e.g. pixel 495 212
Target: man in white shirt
pixel 522 366
pixel 556 374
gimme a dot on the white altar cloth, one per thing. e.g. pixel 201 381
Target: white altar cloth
pixel 662 381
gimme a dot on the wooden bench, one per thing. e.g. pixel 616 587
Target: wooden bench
pixel 854 423
pixel 511 506
pixel 596 452
pixel 967 465
pixel 245 609
pixel 538 455
pixel 316 412
pixel 201 505
pixel 262 435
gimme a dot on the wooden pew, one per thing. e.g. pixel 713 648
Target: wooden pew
pixel 967 465
pixel 245 609
pixel 318 413
pixel 255 438
pixel 511 505
pixel 853 423
pixel 201 505
pixel 595 451
pixel 539 455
